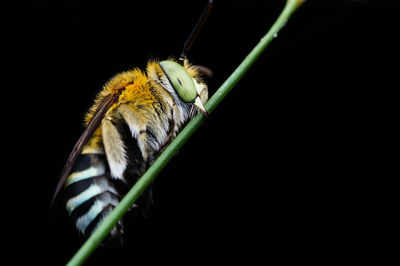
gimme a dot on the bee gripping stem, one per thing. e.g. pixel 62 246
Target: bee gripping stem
pixel 95 239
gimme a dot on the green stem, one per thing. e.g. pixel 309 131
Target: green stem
pixel 239 72
pixel 102 231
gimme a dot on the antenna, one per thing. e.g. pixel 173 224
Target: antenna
pixel 196 30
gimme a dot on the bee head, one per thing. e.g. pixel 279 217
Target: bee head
pixel 186 87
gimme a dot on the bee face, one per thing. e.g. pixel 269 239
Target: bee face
pixel 181 84
pixel 180 80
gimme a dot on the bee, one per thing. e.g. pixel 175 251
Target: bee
pixel 134 116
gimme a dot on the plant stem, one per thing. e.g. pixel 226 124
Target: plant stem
pixel 290 7
pixel 102 231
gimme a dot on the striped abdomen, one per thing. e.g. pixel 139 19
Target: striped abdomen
pixel 90 196
pixel 110 163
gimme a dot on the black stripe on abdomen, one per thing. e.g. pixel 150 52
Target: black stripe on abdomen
pixel 90 193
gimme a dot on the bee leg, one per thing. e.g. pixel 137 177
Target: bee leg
pixel 115 148
pixel 139 132
pixel 137 128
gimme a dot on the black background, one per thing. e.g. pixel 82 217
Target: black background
pixel 293 166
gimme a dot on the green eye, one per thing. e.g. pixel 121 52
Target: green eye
pixel 180 80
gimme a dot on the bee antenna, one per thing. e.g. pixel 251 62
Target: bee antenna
pixel 192 37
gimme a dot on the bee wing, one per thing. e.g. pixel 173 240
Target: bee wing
pixel 91 127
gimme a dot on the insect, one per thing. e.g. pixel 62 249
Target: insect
pixel 135 115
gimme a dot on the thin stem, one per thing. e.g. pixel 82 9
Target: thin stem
pixel 239 72
pixel 102 231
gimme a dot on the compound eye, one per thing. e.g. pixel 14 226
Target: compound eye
pixel 180 80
